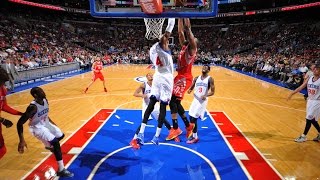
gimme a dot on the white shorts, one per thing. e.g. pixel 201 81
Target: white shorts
pixel 162 87
pixel 46 133
pixel 155 113
pixel 313 110
pixel 198 108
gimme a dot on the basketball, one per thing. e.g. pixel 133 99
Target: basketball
pixel 180 2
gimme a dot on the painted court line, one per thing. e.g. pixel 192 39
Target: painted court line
pixel 129 122
pixel 242 144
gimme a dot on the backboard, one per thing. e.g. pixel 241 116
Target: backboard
pixel 132 9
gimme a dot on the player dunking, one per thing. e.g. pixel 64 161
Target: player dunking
pixel 203 88
pixel 42 127
pixel 183 80
pixel 161 90
pixel 313 103
pixel 144 91
pixel 97 67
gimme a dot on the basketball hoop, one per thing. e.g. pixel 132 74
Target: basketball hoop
pixel 153 28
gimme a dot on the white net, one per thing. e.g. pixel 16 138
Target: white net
pixel 153 27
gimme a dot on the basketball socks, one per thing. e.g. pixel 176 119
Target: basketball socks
pixel 135 136
pixel 175 123
pixel 195 135
pixel 185 121
pixel 308 126
pixel 60 165
pixel 158 132
pixel 316 125
pixel 143 126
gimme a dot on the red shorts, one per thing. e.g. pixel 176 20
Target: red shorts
pixel 181 85
pixel 97 76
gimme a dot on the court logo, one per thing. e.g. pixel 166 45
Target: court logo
pixel 140 79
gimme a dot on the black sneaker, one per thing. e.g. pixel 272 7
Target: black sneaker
pixel 65 173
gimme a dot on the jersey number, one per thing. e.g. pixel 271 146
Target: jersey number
pixel 312 91
pixel 200 90
pixel 159 63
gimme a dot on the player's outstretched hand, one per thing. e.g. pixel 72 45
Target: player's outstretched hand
pixel 21 146
pixel 6 122
pixel 289 97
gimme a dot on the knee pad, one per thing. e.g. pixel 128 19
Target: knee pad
pixel 54 142
pixel 153 97
pixel 164 102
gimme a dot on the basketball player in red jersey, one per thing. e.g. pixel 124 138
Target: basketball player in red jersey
pixel 183 80
pixel 97 67
pixel 5 107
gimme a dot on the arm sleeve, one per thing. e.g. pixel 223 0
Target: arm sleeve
pixel 170 26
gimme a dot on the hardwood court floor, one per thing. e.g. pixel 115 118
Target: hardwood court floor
pixel 259 109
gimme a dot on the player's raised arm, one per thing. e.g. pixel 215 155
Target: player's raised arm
pixel 190 37
pixel 182 39
pixel 167 34
pixel 192 85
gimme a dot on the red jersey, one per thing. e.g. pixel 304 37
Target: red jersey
pixel 185 62
pixel 97 67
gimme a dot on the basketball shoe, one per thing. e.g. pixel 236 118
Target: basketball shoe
pixel 140 138
pixel 301 138
pixel 134 144
pixel 65 173
pixel 105 90
pixel 189 130
pixel 193 140
pixel 173 133
pixel 85 91
pixel 317 138
pixel 155 140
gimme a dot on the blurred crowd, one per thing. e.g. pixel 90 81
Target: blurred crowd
pixel 279 48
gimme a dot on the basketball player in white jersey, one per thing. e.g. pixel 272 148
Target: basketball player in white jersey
pixel 203 88
pixel 313 103
pixel 161 90
pixel 144 91
pixel 42 127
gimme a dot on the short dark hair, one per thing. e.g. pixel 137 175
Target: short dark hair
pixel 207 66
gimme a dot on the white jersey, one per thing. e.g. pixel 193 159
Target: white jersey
pixel 40 118
pixel 313 89
pixel 201 87
pixel 161 59
pixel 163 77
